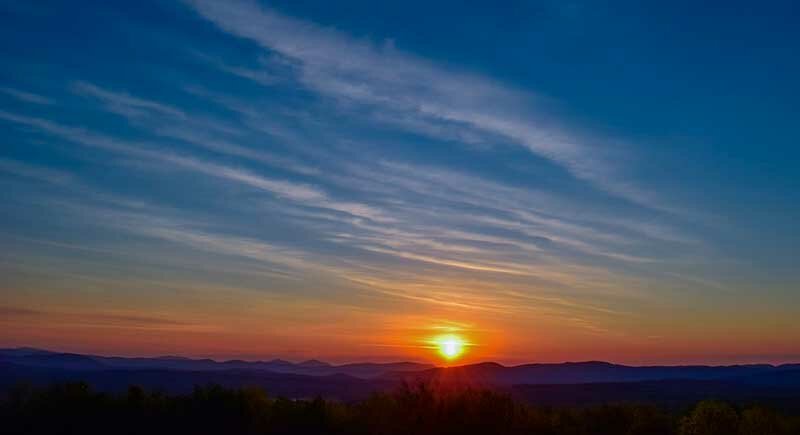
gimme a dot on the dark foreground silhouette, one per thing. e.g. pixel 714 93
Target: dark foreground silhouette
pixel 74 408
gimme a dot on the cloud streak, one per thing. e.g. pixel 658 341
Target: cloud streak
pixel 27 97
pixel 123 103
pixel 429 96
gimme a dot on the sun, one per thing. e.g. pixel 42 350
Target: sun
pixel 450 346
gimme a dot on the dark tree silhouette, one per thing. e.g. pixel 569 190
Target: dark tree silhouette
pixel 74 408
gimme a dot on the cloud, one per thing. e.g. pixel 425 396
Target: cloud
pixel 118 319
pixel 538 216
pixel 307 195
pixel 422 92
pixel 123 103
pixel 225 245
pixel 35 172
pixel 202 132
pixel 403 227
pixel 293 191
pixel 201 139
pixel 452 263
pixel 27 97
pixel 372 222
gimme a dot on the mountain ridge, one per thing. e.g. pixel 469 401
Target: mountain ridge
pixel 478 374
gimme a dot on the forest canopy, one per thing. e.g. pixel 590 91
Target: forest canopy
pixel 75 408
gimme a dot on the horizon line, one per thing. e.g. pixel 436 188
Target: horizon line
pixel 433 365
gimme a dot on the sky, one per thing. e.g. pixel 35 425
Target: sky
pixel 549 180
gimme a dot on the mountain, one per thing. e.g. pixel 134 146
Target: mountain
pixel 340 387
pixel 68 361
pixel 23 351
pixel 42 358
pixel 478 375
pixel 493 374
pixel 313 363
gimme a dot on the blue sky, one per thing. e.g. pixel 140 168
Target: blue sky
pixel 343 179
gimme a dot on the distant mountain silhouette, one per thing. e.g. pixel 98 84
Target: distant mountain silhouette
pixel 313 363
pixel 43 358
pixel 488 374
pixel 23 351
pixel 566 383
pixel 340 387
pixel 69 361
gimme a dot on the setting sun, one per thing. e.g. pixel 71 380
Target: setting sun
pixel 450 346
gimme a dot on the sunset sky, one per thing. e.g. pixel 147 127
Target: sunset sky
pixel 348 180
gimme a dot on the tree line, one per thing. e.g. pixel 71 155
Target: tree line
pixel 74 408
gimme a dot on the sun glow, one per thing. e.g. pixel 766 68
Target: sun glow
pixel 450 346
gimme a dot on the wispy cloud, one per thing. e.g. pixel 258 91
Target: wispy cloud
pixel 128 320
pixel 123 103
pixel 396 228
pixel 170 122
pixel 426 95
pixel 27 97
pixel 293 191
pixel 34 171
